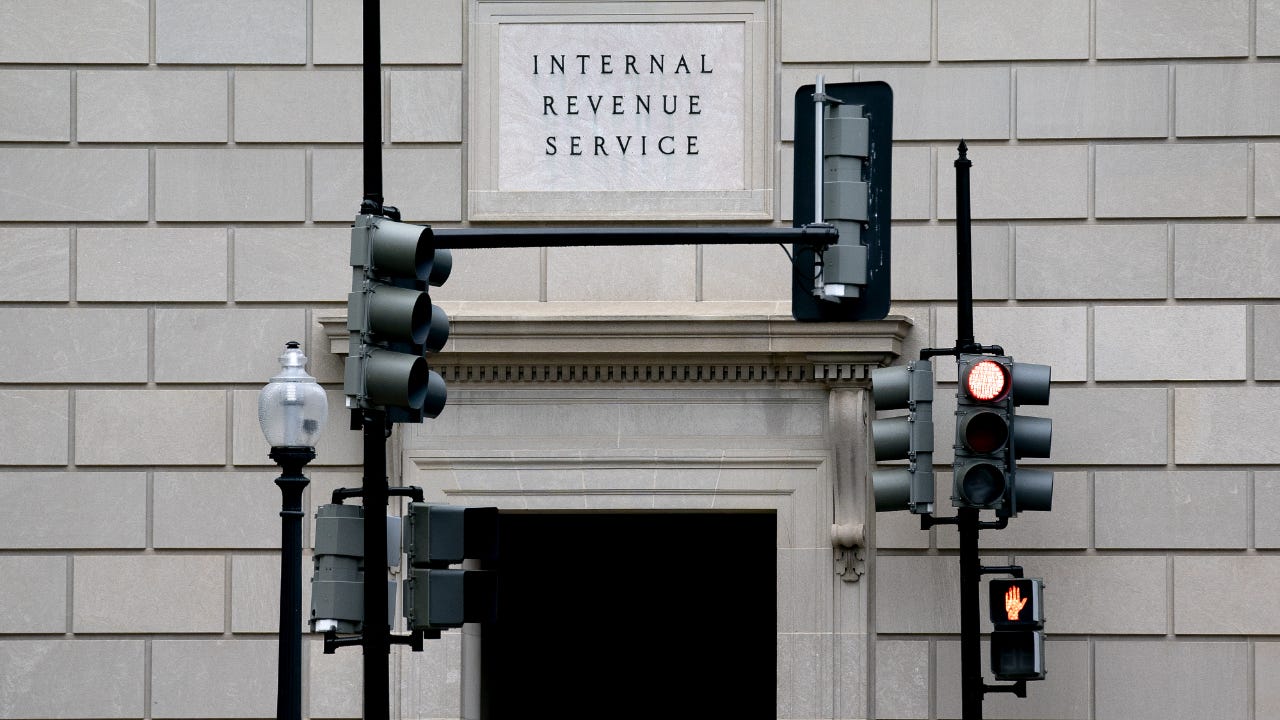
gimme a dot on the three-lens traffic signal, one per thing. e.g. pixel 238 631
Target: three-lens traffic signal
pixel 908 437
pixel 990 437
pixel 392 321
pixel 982 432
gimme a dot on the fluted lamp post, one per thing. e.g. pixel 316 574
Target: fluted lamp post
pixel 291 409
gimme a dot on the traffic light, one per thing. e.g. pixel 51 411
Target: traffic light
pixel 1017 636
pixel 982 431
pixel 435 537
pixel 844 135
pixel 990 438
pixel 392 321
pixel 337 583
pixel 907 437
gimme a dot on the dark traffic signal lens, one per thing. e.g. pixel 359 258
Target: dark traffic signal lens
pixel 982 484
pixel 984 432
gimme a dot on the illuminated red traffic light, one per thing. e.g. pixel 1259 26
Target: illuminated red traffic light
pixel 991 437
pixel 980 475
pixel 987 381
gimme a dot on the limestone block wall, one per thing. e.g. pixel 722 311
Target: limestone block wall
pixel 176 178
pixel 1124 227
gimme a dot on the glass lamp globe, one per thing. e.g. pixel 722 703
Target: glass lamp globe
pixel 292 408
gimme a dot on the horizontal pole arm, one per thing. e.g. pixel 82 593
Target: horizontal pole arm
pixel 332 642
pixel 1014 570
pixel 505 237
pixel 1019 688
pixel 927 520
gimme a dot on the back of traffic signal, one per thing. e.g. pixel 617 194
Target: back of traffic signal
pixel 436 595
pixel 842 179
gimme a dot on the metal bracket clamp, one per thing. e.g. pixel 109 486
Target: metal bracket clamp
pixel 820 100
pixel 819 96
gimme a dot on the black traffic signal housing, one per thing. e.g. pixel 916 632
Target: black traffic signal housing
pixel 435 537
pixel 990 437
pixel 850 279
pixel 1017 636
pixel 908 437
pixel 392 322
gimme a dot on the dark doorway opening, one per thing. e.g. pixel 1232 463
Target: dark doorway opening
pixel 653 615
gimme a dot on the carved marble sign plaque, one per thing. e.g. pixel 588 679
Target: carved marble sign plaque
pixel 653 106
pixel 600 112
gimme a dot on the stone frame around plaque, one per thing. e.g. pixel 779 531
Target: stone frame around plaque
pixel 734 182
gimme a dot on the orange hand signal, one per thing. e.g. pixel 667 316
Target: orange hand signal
pixel 1014 602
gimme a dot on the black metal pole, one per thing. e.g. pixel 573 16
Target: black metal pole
pixel 971 683
pixel 289 668
pixel 964 253
pixel 372 107
pixel 377 634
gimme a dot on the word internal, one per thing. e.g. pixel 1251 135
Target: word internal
pixel 555 64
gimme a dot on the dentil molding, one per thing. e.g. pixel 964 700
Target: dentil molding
pixel 545 348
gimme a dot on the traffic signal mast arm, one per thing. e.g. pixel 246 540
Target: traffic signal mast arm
pixel 817 235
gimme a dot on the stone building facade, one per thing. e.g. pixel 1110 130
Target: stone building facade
pixel 176 182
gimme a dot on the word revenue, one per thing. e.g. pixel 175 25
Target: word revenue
pixel 641 145
pixel 621 104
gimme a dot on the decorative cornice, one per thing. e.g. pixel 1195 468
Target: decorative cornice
pixel 543 348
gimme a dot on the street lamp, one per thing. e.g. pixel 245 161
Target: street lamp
pixel 291 410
